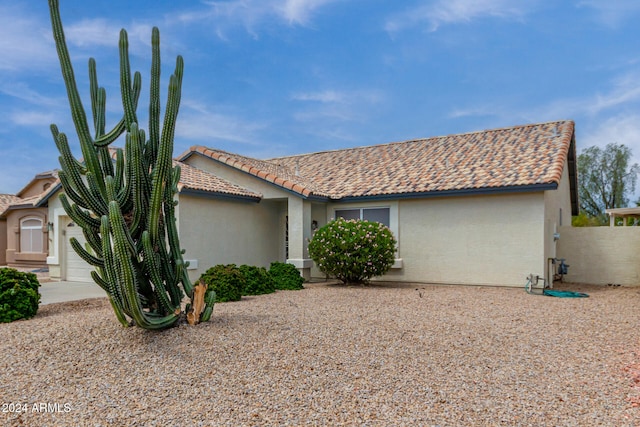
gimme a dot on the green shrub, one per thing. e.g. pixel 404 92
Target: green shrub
pixel 257 280
pixel 353 250
pixel 286 276
pixel 19 296
pixel 226 280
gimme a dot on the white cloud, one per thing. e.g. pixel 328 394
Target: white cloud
pixel 341 106
pixel 24 92
pixel 90 33
pixel 612 13
pixel 323 96
pixel 621 129
pixel 34 118
pixel 433 15
pixel 623 92
pixel 251 14
pixel 24 42
pixel 197 122
pixel 300 11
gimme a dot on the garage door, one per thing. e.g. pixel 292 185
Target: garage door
pixel 77 269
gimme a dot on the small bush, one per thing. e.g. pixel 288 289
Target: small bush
pixel 19 296
pixel 286 276
pixel 226 280
pixel 257 280
pixel 353 250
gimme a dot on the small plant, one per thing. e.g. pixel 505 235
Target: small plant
pixel 227 281
pixel 286 276
pixel 19 296
pixel 257 280
pixel 353 250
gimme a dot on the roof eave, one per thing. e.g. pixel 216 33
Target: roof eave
pixel 219 195
pixel 453 193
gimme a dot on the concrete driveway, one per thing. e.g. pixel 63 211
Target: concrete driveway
pixel 53 292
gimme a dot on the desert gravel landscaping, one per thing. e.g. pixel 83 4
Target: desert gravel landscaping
pixel 380 355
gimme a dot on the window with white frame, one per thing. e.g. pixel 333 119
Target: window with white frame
pixel 31 236
pixel 381 215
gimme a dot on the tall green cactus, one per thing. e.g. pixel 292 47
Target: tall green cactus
pixel 126 206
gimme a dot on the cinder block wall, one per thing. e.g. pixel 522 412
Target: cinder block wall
pixel 601 255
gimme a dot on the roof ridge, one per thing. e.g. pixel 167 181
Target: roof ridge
pixel 502 129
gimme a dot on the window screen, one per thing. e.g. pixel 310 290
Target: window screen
pixel 348 214
pixel 380 215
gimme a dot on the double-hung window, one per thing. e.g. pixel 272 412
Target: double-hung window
pixel 31 236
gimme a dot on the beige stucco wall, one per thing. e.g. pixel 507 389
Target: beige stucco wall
pixel 601 255
pixel 477 240
pixel 557 204
pixel 298 210
pixel 14 255
pixel 3 241
pixel 216 231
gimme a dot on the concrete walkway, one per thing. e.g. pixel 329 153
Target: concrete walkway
pixel 53 292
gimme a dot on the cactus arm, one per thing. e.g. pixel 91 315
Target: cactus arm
pixel 139 176
pixel 73 178
pixel 109 269
pixel 84 254
pixel 77 110
pixel 125 82
pixel 100 281
pixel 128 278
pixel 153 269
pixel 80 217
pixel 117 309
pixel 98 101
pixel 154 97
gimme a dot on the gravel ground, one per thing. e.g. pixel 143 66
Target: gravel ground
pixel 329 355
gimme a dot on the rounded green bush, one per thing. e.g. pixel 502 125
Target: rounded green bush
pixel 286 276
pixel 353 250
pixel 257 280
pixel 226 281
pixel 19 296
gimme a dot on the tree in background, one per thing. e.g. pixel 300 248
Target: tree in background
pixel 605 179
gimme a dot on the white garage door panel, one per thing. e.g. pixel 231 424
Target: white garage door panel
pixel 78 270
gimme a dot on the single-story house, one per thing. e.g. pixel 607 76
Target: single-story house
pixel 24 224
pixel 477 208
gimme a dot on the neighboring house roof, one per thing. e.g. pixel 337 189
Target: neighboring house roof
pixel 38 200
pixel 518 158
pixel 7 200
pixel 38 177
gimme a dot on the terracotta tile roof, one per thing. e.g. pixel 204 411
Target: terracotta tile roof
pixel 516 156
pixel 271 171
pixel 525 155
pixel 7 200
pixel 195 179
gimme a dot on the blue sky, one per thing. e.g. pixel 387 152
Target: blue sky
pixel 269 78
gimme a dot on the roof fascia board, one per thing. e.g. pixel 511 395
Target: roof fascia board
pixel 572 161
pixel 453 193
pixel 217 195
